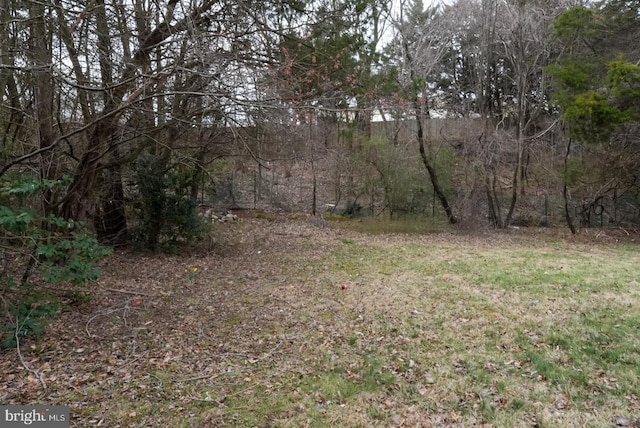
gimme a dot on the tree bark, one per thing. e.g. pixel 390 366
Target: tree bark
pixel 109 220
pixel 437 188
pixel 495 218
pixel 43 96
pixel 8 85
pixel 103 141
pixel 565 190
pixel 516 172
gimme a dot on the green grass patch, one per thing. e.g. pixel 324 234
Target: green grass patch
pixel 336 218
pixel 509 329
pixel 439 330
pixel 265 216
pixel 405 225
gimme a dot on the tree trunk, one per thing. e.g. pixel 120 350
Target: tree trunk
pixel 78 203
pixel 12 108
pixel 495 218
pixel 314 201
pixel 437 188
pixel 565 191
pixel 515 182
pixel 198 174
pixel 43 94
pixel 517 171
pixel 109 219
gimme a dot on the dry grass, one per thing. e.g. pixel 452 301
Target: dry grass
pixel 289 324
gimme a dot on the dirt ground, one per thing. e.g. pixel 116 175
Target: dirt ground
pixel 193 313
pixel 157 327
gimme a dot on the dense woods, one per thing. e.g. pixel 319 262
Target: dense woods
pixel 121 120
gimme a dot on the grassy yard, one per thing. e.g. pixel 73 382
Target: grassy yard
pixel 325 327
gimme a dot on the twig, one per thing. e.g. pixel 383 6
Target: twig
pixel 106 312
pixel 220 400
pixel 126 363
pixel 39 375
pixel 204 400
pixel 250 387
pixel 137 293
pixel 134 342
pixel 250 359
pixel 268 354
pixel 624 230
pixel 189 379
pixel 86 327
pixel 156 377
pixel 289 338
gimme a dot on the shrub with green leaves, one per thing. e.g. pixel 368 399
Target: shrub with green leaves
pixel 62 250
pixel 167 216
pixel 27 319
pixel 403 181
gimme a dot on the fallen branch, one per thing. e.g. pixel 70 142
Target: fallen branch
pixel 136 293
pixel 126 363
pixel 107 312
pixel 624 230
pixel 157 378
pixel 38 374
pixel 222 399
pixel 191 379
pixel 268 354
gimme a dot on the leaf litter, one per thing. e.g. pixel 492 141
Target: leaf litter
pixel 267 315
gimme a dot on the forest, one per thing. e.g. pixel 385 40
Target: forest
pixel 120 120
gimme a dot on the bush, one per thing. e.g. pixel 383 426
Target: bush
pixel 62 250
pixel 353 209
pixel 26 319
pixel 404 182
pixel 166 217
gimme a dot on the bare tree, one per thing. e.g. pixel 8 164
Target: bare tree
pixel 494 72
pixel 421 45
pixel 526 28
pixel 111 80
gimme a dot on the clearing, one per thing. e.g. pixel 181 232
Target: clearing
pixel 292 323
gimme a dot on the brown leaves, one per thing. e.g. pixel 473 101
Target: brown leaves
pixel 268 331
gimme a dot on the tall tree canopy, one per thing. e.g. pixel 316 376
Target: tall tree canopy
pixel 597 82
pixel 87 89
pixel 96 96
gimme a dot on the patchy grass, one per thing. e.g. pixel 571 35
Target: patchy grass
pixel 517 333
pixel 322 327
pixel 404 225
